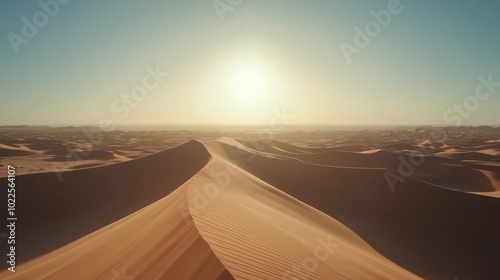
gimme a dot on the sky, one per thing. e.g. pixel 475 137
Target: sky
pixel 236 62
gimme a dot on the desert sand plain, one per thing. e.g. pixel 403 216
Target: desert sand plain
pixel 399 203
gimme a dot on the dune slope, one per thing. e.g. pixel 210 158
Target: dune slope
pixel 60 212
pixel 232 210
pixel 426 228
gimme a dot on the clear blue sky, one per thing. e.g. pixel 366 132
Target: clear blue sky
pixel 264 55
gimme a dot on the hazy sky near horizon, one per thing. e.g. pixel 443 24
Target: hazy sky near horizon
pixel 93 60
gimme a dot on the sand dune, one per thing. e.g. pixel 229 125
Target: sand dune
pixel 406 226
pixel 88 199
pixel 41 150
pixel 154 243
pixel 269 235
pixel 14 150
pixel 234 209
pixel 13 153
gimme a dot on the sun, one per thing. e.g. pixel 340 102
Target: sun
pixel 249 83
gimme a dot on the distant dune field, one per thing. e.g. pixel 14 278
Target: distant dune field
pixel 391 204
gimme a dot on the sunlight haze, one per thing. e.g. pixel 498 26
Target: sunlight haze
pixel 261 56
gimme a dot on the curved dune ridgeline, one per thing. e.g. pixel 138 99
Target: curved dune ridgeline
pixel 230 209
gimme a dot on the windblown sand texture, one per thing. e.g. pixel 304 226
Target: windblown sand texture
pixel 305 205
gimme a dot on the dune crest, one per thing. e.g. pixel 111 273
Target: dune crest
pixel 229 209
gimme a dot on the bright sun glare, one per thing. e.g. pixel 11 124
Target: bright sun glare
pixel 249 84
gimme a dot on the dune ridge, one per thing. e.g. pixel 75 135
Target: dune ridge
pixel 228 209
